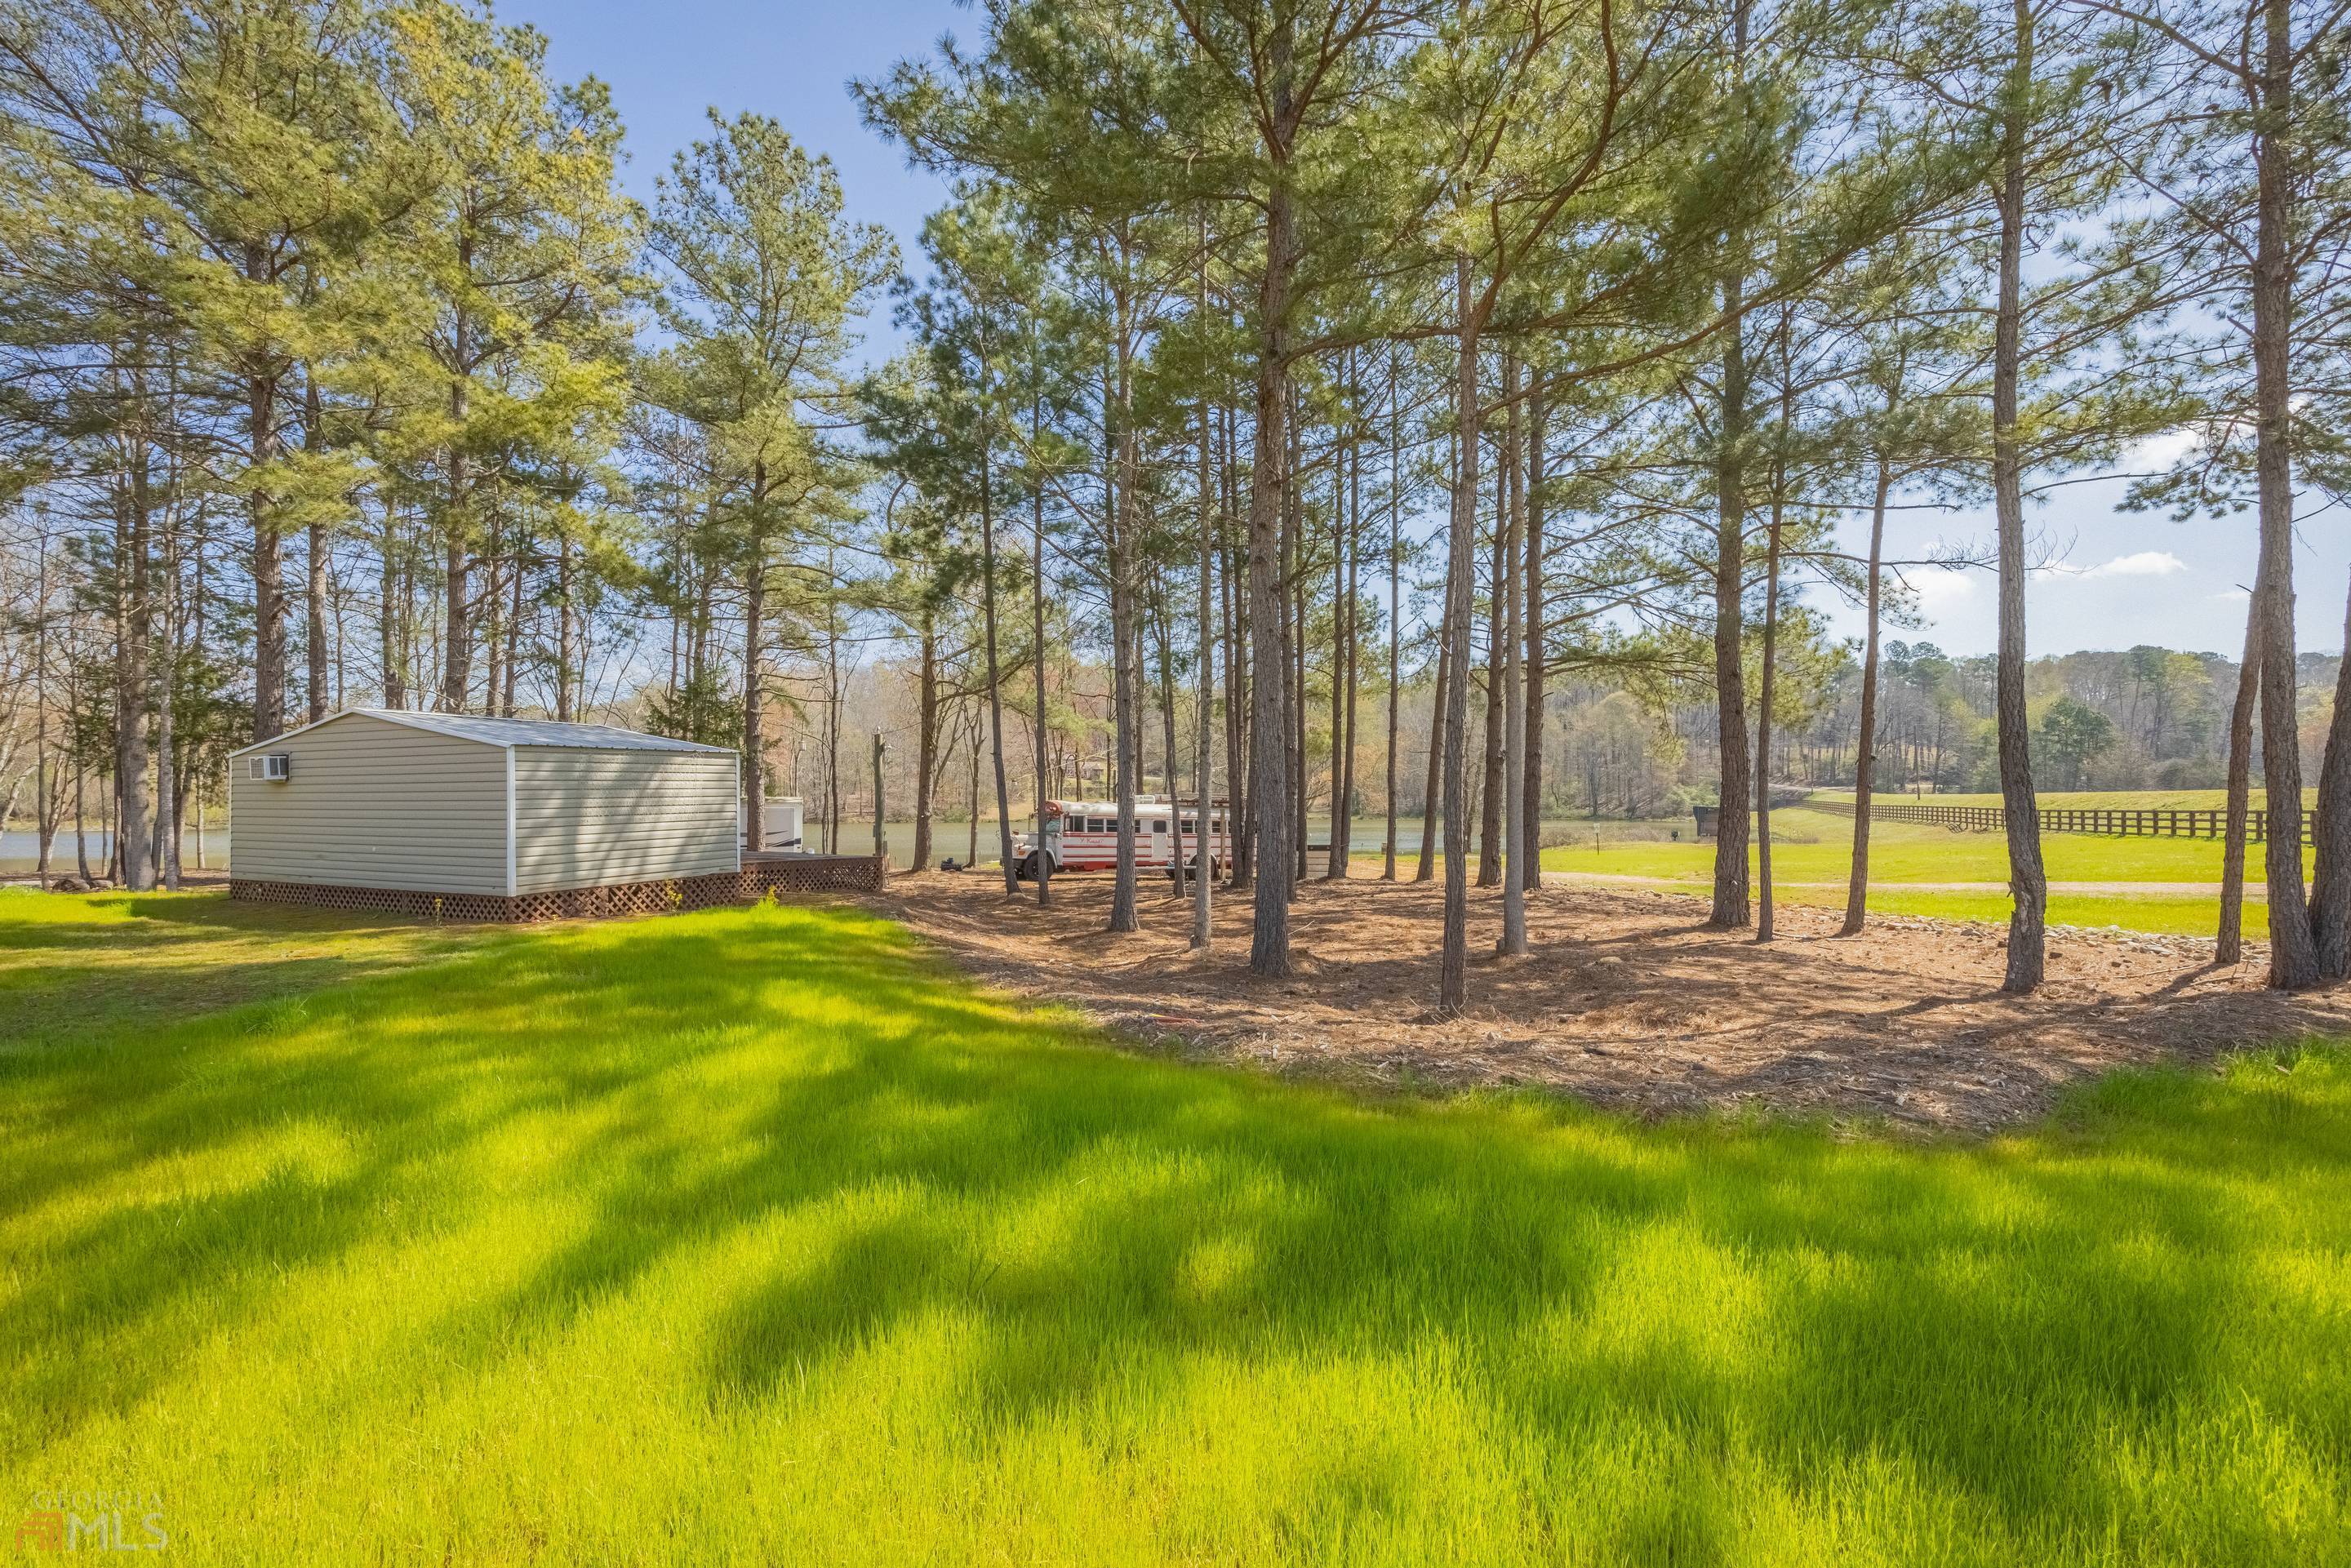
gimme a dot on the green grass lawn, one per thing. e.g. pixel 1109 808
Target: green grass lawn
pixel 754 1237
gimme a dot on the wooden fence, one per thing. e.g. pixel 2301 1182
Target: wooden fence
pixel 2113 822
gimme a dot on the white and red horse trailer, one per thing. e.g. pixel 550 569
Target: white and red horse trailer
pixel 1082 835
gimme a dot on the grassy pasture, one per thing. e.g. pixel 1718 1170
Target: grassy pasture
pixel 2082 800
pixel 1817 846
pixel 752 1237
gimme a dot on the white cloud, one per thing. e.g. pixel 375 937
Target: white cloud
pixel 2159 453
pixel 1940 588
pixel 2146 563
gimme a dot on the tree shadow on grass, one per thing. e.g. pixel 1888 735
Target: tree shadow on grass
pixel 99 964
pixel 872 1146
pixel 1997 1340
pixel 110 919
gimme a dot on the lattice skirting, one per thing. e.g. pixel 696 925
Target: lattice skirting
pixel 799 873
pixel 813 874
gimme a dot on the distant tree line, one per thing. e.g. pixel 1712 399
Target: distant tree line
pixel 2144 719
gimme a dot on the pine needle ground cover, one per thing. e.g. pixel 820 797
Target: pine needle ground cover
pixel 754 1237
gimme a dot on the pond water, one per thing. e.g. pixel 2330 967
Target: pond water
pixel 20 851
pixel 18 847
pixel 954 838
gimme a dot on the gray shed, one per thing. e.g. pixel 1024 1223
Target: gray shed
pixel 453 804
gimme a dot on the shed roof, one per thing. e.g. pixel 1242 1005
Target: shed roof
pixel 506 732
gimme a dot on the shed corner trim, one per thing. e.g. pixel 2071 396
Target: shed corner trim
pixel 509 750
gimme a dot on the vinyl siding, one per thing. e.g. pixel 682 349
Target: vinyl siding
pixel 592 818
pixel 374 804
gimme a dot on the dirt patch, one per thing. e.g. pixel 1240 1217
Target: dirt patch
pixel 1627 1000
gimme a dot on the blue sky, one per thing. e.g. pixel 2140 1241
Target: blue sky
pixel 668 63
pixel 2121 578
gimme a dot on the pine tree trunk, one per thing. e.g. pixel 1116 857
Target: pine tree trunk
pixel 456 653
pixel 1763 931
pixel 268 571
pixel 1269 786
pixel 2229 946
pixel 1230 588
pixel 995 675
pixel 510 664
pixel 1490 783
pixel 394 690
pixel 1395 605
pixel 81 817
pixel 167 805
pixel 2330 888
pixel 268 566
pixel 755 691
pixel 1293 644
pixel 1453 968
pixel 1730 907
pixel 1510 675
pixel 2028 883
pixel 1342 828
pixel 1126 723
pixel 1037 634
pixel 315 620
pixel 1432 799
pixel 926 737
pixel 2294 953
pixel 832 724
pixel 45 810
pixel 1856 897
pixel 1334 860
pixel 1538 647
pixel 315 605
pixel 45 802
pixel 134 627
pixel 167 778
pixel 566 637
pixel 487 624
pixel 1204 813
pixel 1167 721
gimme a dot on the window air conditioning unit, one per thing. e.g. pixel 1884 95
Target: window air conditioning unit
pixel 275 767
